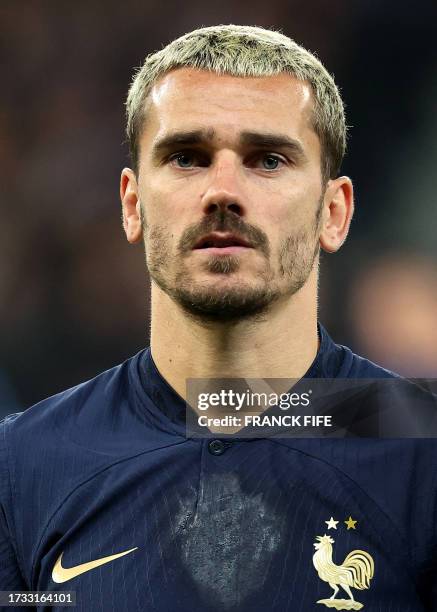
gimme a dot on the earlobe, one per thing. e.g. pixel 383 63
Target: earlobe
pixel 131 206
pixel 339 208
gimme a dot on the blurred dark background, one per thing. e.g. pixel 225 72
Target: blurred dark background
pixel 74 294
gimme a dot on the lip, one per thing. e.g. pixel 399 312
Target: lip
pixel 228 250
pixel 222 242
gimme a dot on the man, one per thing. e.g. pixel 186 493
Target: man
pixel 237 135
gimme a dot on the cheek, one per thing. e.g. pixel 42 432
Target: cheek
pixel 164 219
pixel 293 197
pixel 286 215
pixel 302 207
pixel 154 204
pixel 166 203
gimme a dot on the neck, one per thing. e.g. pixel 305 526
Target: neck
pixel 281 344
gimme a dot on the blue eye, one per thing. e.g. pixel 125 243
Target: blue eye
pixel 184 160
pixel 188 159
pixel 271 162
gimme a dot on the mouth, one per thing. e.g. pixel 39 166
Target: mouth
pixel 222 243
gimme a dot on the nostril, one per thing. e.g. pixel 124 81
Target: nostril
pixel 212 208
pixel 222 206
pixel 235 208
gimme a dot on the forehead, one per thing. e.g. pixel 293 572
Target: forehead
pixel 187 98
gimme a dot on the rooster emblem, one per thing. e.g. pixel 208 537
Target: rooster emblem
pixel 356 571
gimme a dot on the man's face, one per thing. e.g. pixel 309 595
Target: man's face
pixel 231 190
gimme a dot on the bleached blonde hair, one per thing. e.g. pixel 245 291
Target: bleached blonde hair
pixel 244 51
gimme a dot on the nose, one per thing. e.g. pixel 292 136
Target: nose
pixel 224 191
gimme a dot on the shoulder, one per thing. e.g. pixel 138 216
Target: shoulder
pixel 56 445
pixel 385 383
pixel 338 361
pixel 360 367
pixel 67 437
pixel 81 409
pixel 388 403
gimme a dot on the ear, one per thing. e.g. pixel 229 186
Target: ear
pixel 131 206
pixel 338 209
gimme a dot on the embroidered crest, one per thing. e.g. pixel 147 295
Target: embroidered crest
pixel 355 572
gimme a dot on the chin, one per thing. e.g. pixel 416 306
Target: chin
pixel 219 304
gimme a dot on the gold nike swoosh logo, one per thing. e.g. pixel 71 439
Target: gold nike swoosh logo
pixel 62 574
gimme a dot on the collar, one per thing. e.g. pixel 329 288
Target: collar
pixel 168 407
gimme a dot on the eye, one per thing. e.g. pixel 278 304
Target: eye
pixel 186 159
pixel 271 162
pixel 267 161
pixel 183 160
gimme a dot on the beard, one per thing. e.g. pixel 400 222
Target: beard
pixel 231 302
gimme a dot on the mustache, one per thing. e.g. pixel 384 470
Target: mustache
pixel 223 221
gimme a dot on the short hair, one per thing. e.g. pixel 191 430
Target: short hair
pixel 244 51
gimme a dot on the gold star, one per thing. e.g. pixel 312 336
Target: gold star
pixel 331 523
pixel 350 523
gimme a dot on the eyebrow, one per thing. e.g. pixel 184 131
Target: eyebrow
pixel 274 141
pixel 262 140
pixel 178 139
